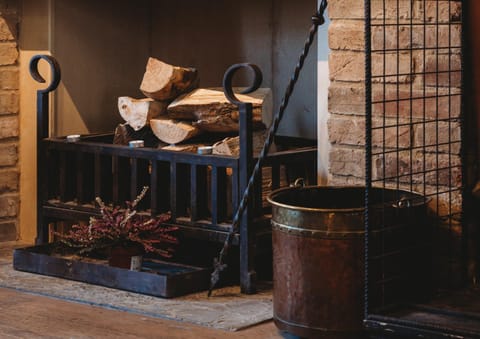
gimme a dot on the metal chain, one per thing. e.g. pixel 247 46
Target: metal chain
pixel 218 264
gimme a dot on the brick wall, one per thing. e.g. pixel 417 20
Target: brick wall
pixel 347 92
pixel 347 107
pixel 9 121
pixel 346 102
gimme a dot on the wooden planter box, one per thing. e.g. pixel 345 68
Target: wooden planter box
pixel 157 278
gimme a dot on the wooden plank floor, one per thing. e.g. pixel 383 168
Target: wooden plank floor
pixel 24 315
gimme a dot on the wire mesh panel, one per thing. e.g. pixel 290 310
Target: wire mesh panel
pixel 414 144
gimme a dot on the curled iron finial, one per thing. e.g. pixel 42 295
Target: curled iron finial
pixel 228 77
pixel 54 67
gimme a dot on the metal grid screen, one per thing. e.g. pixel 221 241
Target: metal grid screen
pixel 413 131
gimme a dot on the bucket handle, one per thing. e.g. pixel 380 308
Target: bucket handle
pixel 298 183
pixel 403 202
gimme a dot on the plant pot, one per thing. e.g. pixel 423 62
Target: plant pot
pixel 129 257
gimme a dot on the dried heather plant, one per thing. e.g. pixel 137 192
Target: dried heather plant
pixel 122 227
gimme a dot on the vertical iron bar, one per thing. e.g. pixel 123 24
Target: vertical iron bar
pixel 437 117
pixel 247 273
pixel 154 188
pixel 424 125
pixel 173 189
pixel 235 188
pixel 411 125
pixel 133 178
pixel 115 179
pixel 384 111
pixel 79 177
pixel 258 201
pixel 193 193
pixel 63 176
pixel 97 175
pixel 214 196
pixel 397 26
pixel 463 132
pixel 42 133
pixel 368 145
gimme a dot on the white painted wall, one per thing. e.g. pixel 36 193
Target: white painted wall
pixel 323 82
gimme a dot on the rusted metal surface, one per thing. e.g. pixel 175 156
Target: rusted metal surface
pixel 317 265
pixel 318 256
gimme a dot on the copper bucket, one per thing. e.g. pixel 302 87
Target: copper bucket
pixel 318 256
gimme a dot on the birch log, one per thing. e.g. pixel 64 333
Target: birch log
pixel 172 131
pixel 138 112
pixel 163 82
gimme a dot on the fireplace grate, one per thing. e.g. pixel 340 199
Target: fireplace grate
pixel 418 279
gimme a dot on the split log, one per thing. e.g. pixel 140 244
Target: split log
pixel 224 124
pixel 125 133
pixel 186 148
pixel 163 82
pixel 138 112
pixel 213 112
pixel 171 131
pixel 231 146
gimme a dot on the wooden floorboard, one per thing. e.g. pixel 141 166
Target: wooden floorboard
pixel 24 315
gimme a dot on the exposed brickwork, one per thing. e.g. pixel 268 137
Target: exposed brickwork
pixel 347 94
pixel 406 100
pixel 8 155
pixel 9 102
pixel 9 120
pixel 8 231
pixel 8 181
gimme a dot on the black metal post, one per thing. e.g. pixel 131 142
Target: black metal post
pixel 247 268
pixel 43 132
pixel 247 271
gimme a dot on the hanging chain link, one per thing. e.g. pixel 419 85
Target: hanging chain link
pixel 218 263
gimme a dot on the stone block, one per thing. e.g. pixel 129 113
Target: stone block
pixel 406 101
pixel 9 102
pixel 8 53
pixel 346 9
pixel 344 130
pixel 9 77
pixel 9 180
pixel 338 180
pixel 8 126
pixel 346 98
pixel 418 167
pixel 385 134
pixel 393 67
pixel 8 154
pixel 8 28
pixel 417 36
pixel 443 70
pixel 347 161
pixel 444 137
pixel 392 10
pixel 8 231
pixel 9 204
pixel 347 66
pixel 346 35
pixel 440 11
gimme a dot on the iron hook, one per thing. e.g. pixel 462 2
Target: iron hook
pixel 228 77
pixel 54 67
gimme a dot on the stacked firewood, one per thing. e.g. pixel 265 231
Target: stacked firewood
pixel 176 110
